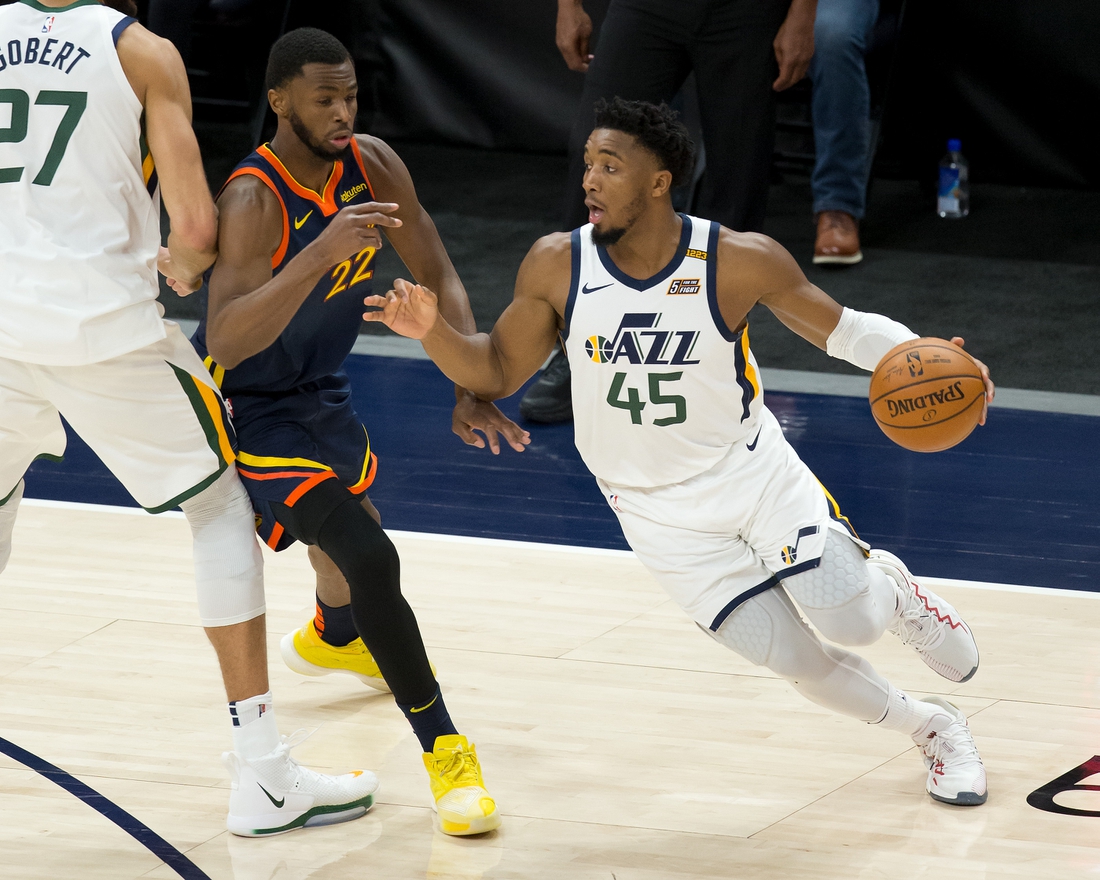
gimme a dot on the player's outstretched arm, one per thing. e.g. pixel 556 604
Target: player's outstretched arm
pixel 418 244
pixel 767 270
pixel 158 78
pixel 497 364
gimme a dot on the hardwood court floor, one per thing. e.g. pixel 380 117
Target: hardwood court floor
pixel 619 741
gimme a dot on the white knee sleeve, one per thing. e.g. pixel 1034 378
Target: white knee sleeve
pixel 850 602
pixel 768 631
pixel 228 563
pixel 7 522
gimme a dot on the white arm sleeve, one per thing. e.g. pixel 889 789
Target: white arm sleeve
pixel 862 338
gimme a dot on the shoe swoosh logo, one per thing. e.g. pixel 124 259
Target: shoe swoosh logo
pixel 587 289
pixel 752 445
pixel 298 224
pixel 278 803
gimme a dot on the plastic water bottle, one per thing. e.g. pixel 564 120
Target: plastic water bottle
pixel 954 190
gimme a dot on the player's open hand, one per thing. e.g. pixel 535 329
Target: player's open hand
pixel 182 286
pixel 355 228
pixel 408 309
pixel 471 414
pixel 989 389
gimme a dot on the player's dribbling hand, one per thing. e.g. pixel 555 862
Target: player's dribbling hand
pixel 355 228
pixel 181 286
pixel 989 389
pixel 472 414
pixel 408 309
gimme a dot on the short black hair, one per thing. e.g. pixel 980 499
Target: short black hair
pixel 297 48
pixel 656 128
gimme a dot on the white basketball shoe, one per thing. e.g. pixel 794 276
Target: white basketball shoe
pixel 956 774
pixel 928 623
pixel 275 794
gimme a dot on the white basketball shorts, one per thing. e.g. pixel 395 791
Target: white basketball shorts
pixel 757 516
pixel 153 416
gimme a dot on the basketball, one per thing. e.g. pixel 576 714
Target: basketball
pixel 926 395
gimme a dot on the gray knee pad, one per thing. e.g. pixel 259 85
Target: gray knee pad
pixel 767 631
pixel 228 563
pixel 748 631
pixel 838 579
pixel 847 601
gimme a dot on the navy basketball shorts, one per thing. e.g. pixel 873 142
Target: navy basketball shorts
pixel 289 442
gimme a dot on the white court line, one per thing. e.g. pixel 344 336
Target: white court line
pixel 563 548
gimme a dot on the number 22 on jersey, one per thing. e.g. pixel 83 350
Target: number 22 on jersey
pixel 362 271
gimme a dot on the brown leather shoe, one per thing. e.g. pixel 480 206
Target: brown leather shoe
pixel 837 239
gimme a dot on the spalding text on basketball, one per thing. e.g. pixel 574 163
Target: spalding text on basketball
pixel 904 405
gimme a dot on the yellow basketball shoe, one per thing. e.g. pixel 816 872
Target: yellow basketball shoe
pixel 463 804
pixel 307 654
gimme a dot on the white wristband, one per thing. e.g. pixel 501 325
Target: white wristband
pixel 862 338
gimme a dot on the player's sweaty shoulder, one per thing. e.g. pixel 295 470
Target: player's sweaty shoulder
pixel 149 60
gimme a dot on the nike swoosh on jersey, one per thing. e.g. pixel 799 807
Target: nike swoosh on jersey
pixel 298 224
pixel 278 803
pixel 587 289
pixel 752 445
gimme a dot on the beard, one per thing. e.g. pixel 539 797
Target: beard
pixel 126 7
pixel 319 148
pixel 613 236
pixel 608 236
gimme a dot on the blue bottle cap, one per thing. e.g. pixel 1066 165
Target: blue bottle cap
pixel 954 145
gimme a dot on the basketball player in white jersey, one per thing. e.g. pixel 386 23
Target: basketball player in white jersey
pixel 670 418
pixel 94 114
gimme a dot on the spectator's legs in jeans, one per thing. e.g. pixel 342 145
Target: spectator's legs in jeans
pixel 735 66
pixel 841 105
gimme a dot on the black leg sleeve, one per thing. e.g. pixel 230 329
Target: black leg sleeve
pixel 330 517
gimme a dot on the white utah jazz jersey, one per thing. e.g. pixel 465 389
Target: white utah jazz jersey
pixel 79 207
pixel 661 386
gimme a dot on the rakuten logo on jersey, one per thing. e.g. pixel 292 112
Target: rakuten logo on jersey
pixel 638 341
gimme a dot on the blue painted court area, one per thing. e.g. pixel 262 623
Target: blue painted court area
pixel 1018 502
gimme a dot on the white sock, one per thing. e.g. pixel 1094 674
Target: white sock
pixel 8 510
pixel 915 718
pixel 255 732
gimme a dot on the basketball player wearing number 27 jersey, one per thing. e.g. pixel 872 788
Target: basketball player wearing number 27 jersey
pixel 669 416
pixel 94 128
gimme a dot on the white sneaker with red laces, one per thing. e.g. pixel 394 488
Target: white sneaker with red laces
pixel 956 774
pixel 928 623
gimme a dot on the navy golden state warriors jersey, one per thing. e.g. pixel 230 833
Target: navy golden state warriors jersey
pixel 325 327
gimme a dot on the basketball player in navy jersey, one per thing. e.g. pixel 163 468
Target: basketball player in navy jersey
pixel 669 416
pixel 300 224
